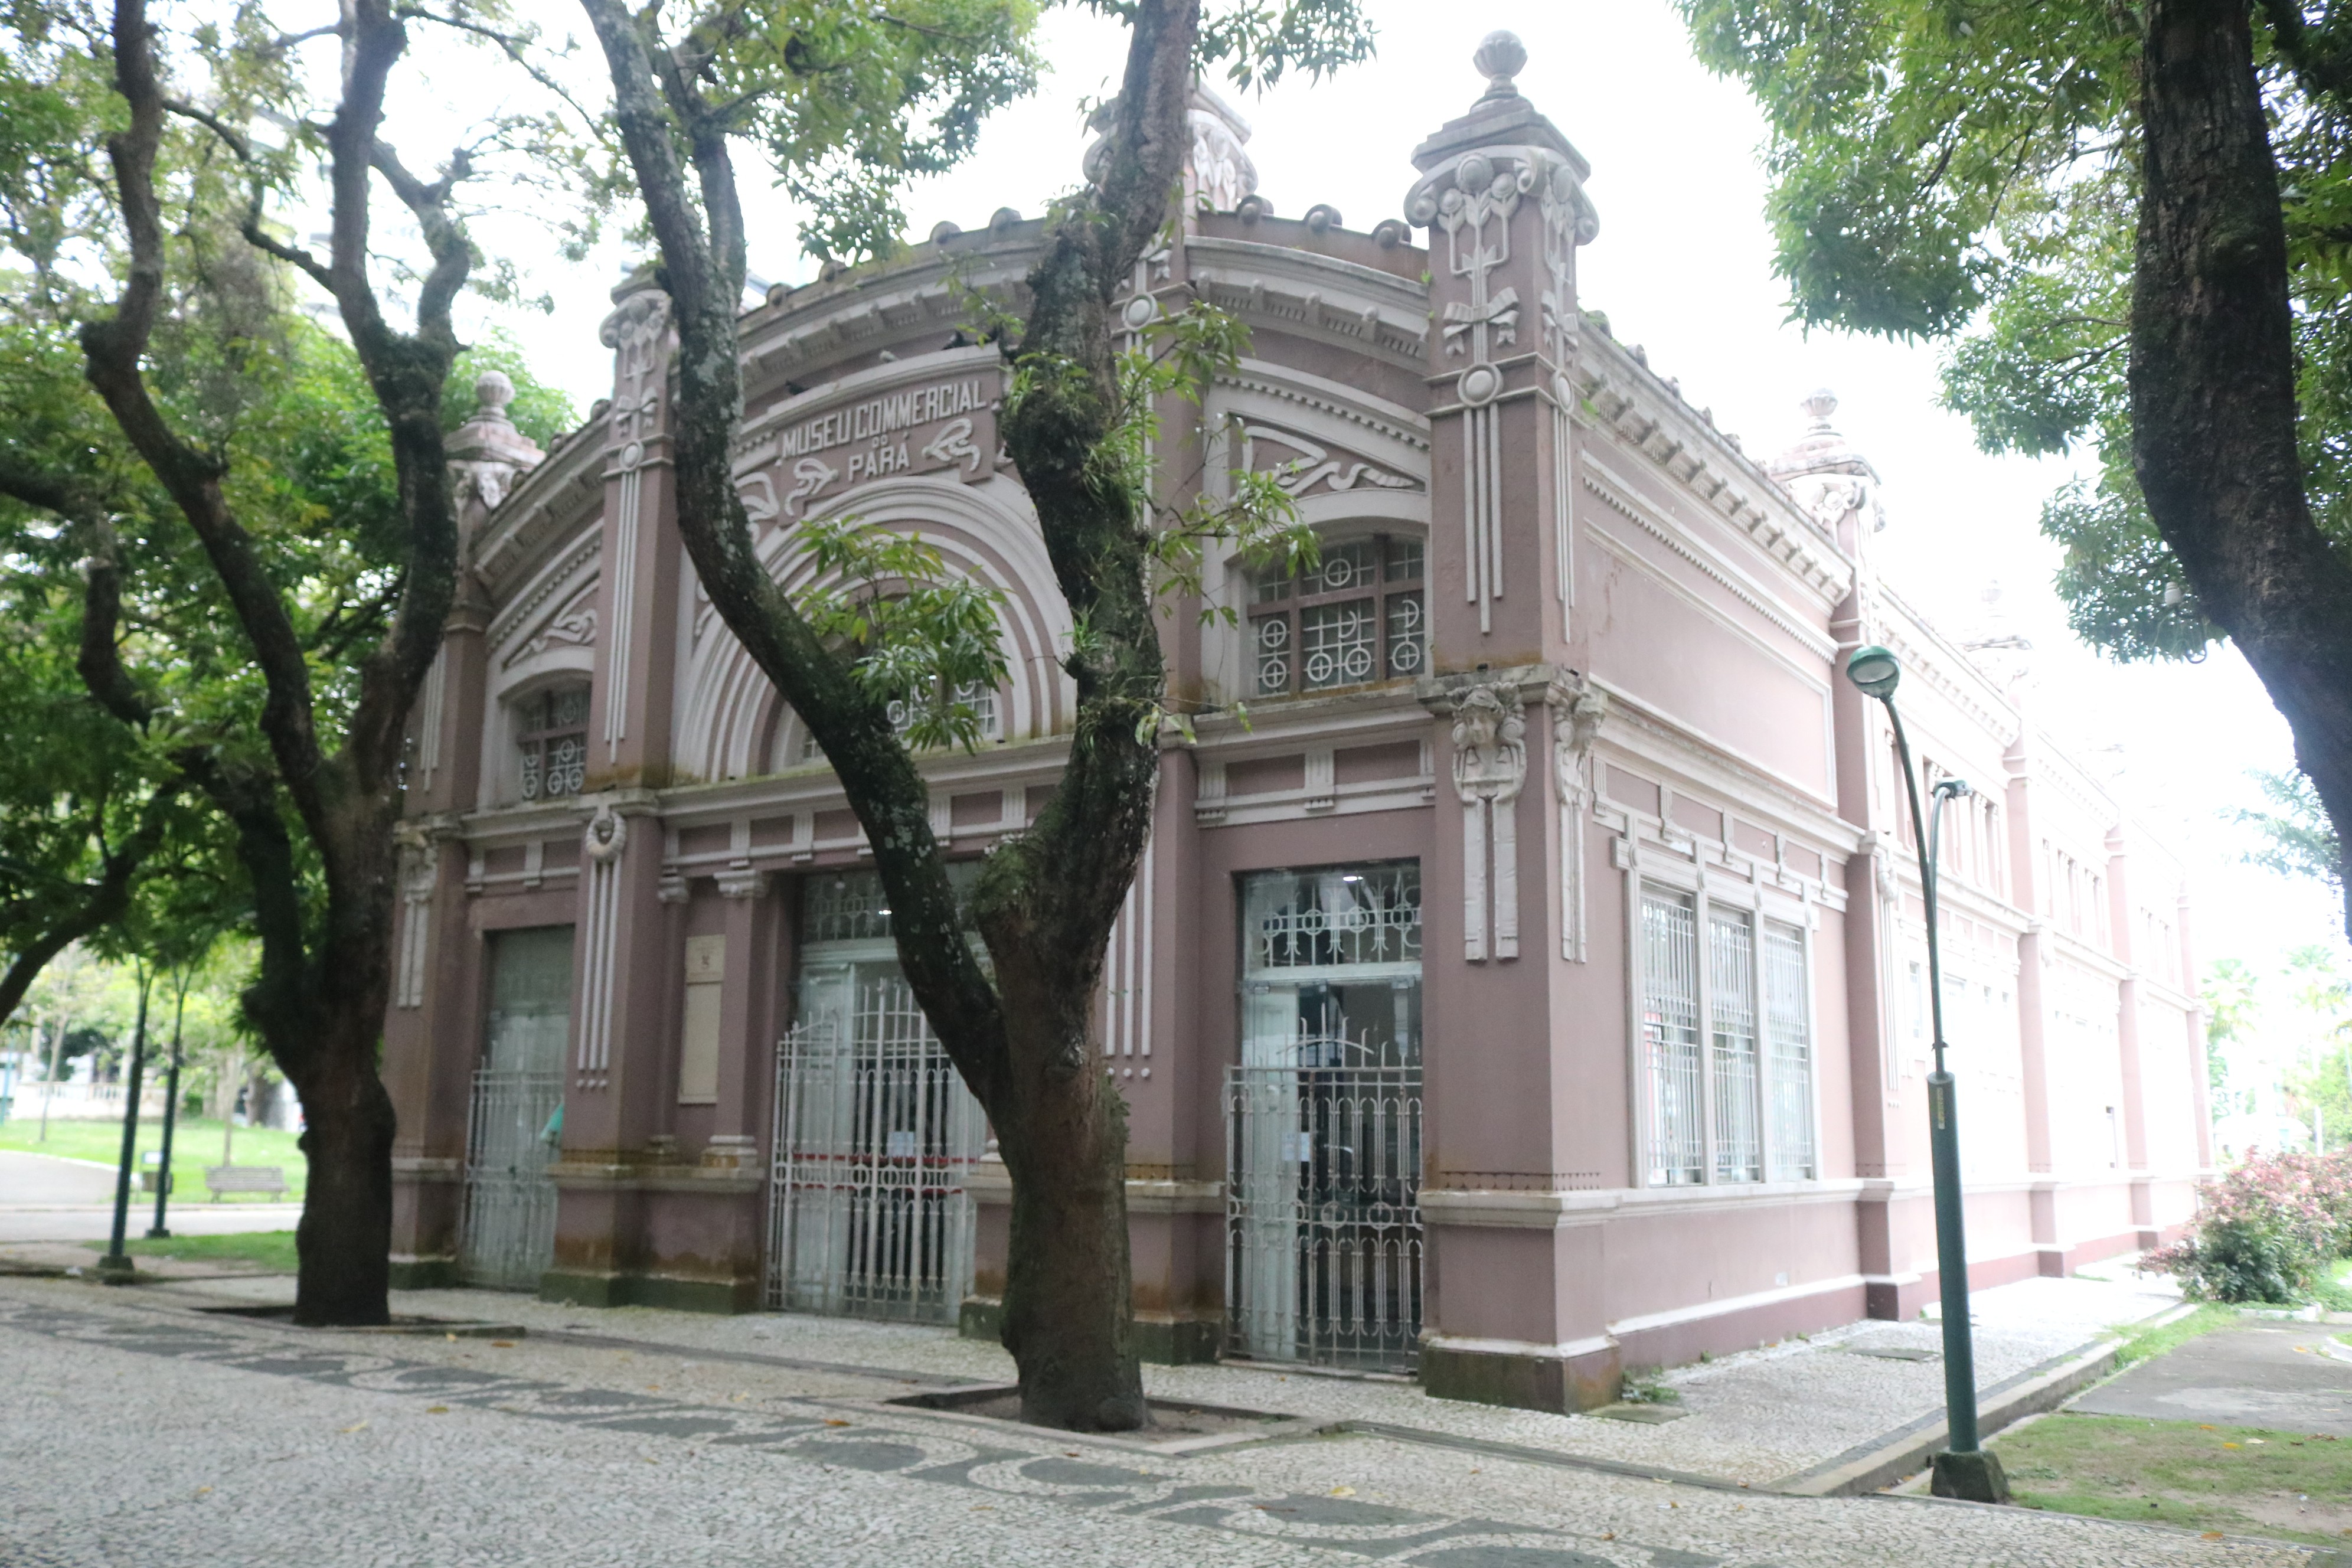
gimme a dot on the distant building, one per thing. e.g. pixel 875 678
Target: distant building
pixel 1535 988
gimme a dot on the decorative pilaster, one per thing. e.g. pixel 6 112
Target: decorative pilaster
pixel 1576 715
pixel 1490 768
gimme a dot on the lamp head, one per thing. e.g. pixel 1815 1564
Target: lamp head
pixel 1954 789
pixel 1875 670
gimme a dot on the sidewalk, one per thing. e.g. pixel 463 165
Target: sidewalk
pixel 1762 1419
pixel 156 1434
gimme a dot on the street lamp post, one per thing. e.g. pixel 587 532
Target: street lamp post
pixel 1965 1470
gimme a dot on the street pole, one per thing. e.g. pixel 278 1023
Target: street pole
pixel 116 1267
pixel 171 1112
pixel 1965 1470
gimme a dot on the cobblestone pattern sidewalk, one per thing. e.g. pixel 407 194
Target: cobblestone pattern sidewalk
pixel 151 1435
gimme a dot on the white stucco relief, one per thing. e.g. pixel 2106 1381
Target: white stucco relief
pixel 419 874
pixel 602 843
pixel 573 624
pixel 1576 718
pixel 1490 768
pixel 1304 465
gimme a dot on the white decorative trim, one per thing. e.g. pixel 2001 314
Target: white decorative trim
pixel 1575 720
pixel 1531 1350
pixel 606 836
pixel 428 718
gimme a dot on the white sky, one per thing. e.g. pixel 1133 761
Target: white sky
pixel 1683 265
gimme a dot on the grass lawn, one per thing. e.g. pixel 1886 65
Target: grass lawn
pixel 2238 1479
pixel 2143 1340
pixel 195 1143
pixel 270 1249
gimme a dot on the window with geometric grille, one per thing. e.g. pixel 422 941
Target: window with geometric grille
pixel 1356 616
pixel 1727 1046
pixel 987 716
pixel 551 734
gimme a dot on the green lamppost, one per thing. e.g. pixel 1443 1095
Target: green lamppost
pixel 1965 1471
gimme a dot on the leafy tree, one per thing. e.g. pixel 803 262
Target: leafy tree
pixel 2297 839
pixel 2134 222
pixel 1075 423
pixel 258 505
pixel 2232 1008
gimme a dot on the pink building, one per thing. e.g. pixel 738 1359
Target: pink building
pixel 1533 989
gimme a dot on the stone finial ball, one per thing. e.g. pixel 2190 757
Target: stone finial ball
pixel 1821 403
pixel 492 392
pixel 1500 56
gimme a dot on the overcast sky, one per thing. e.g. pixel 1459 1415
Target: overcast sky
pixel 1683 265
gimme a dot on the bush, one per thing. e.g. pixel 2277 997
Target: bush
pixel 2268 1231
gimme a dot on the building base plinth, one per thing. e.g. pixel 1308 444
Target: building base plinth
pixel 425 1274
pixel 723 1296
pixel 1535 1377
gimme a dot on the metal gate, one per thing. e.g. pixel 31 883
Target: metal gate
pixel 509 1236
pixel 1323 1205
pixel 875 1137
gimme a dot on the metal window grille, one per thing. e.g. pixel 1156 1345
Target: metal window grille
pixel 875 1137
pixel 1357 914
pixel 552 735
pixel 1323 1261
pixel 1731 977
pixel 850 906
pixel 509 1235
pixel 1788 1021
pixel 1674 1092
pixel 1356 617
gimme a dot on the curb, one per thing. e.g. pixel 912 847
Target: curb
pixel 2041 1388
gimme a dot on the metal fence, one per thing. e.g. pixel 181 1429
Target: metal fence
pixel 876 1136
pixel 1323 1257
pixel 509 1235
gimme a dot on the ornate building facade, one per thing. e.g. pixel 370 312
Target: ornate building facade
pixel 1534 987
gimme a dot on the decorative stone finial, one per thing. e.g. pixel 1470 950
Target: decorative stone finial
pixel 492 392
pixel 1500 58
pixel 1821 403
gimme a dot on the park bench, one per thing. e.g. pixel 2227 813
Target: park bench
pixel 225 1179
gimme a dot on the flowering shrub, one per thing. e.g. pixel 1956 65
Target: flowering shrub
pixel 2268 1231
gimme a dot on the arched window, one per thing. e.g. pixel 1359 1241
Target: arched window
pixel 1358 617
pixel 552 734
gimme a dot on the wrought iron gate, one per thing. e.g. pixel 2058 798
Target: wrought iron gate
pixel 509 1235
pixel 875 1137
pixel 1323 1186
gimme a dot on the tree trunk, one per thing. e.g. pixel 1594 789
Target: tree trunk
pixel 344 1238
pixel 2212 384
pixel 1062 1129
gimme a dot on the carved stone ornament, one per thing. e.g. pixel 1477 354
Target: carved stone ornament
pixel 1301 464
pixel 1576 715
pixel 1490 769
pixel 607 834
pixel 638 332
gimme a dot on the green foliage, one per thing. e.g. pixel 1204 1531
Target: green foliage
pixel 1967 171
pixel 851 102
pixel 2267 1232
pixel 2231 1007
pixel 923 641
pixel 2296 839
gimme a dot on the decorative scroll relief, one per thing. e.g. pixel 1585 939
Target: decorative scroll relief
pixel 1576 716
pixel 785 472
pixel 574 625
pixel 1490 768
pixel 1301 464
